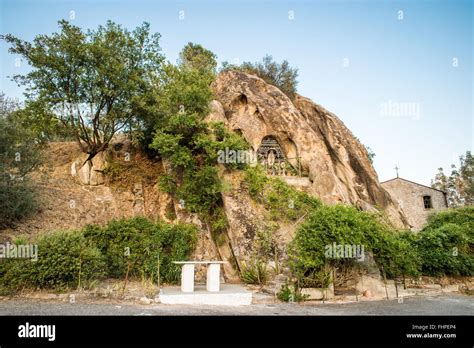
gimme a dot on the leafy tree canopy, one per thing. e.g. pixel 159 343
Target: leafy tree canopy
pixel 281 75
pixel 459 185
pixel 194 56
pixel 89 81
pixel 182 137
pixel 19 156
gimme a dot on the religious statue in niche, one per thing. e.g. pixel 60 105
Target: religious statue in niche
pixel 271 157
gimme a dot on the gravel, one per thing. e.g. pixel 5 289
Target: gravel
pixel 452 304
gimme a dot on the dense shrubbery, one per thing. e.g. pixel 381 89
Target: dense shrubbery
pixel 283 203
pixel 281 200
pixel 446 243
pixel 18 200
pixel 19 155
pixel 142 244
pixel 345 225
pixel 78 258
pixel 463 217
pixel 443 247
pixel 445 250
pixel 65 259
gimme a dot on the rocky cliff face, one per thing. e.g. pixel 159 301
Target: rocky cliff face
pixel 334 165
pixel 335 162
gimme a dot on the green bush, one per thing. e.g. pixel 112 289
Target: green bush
pixel 446 243
pixel 65 259
pixel 140 243
pixel 201 191
pixel 463 217
pixel 290 293
pixel 17 201
pixel 256 179
pixel 345 225
pixel 443 247
pixel 78 258
pixel 20 154
pixel 122 241
pixel 215 142
pixel 445 250
pixel 177 243
pixel 281 200
pixel 285 201
pixel 398 254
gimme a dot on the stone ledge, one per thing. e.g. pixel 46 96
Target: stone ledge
pixel 301 181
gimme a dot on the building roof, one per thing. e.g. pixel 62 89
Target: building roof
pixel 412 182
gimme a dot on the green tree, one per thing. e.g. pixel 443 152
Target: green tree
pixel 465 178
pixel 194 56
pixel 183 101
pixel 89 81
pixel 441 181
pixel 183 138
pixel 281 75
pixel 459 185
pixel 19 156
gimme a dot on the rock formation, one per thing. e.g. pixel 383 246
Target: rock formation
pixel 334 166
pixel 336 163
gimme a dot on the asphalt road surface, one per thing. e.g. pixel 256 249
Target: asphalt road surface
pixel 435 305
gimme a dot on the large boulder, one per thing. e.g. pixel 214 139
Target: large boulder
pixel 336 163
pixel 216 113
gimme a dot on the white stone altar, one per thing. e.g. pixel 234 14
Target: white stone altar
pixel 213 275
pixel 213 293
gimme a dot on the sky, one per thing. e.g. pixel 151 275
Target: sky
pixel 399 74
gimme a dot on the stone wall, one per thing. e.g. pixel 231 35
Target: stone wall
pixel 409 196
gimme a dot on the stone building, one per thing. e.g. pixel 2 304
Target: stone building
pixel 417 201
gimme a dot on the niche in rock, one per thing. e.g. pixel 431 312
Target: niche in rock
pixel 279 157
pixel 271 156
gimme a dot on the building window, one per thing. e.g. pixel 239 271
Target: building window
pixel 427 202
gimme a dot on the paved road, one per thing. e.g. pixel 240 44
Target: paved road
pixel 435 305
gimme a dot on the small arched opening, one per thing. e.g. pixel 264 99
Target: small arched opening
pixel 274 157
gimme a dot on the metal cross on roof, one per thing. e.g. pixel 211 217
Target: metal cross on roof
pixel 396 169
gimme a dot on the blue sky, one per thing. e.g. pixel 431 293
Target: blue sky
pixel 401 81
